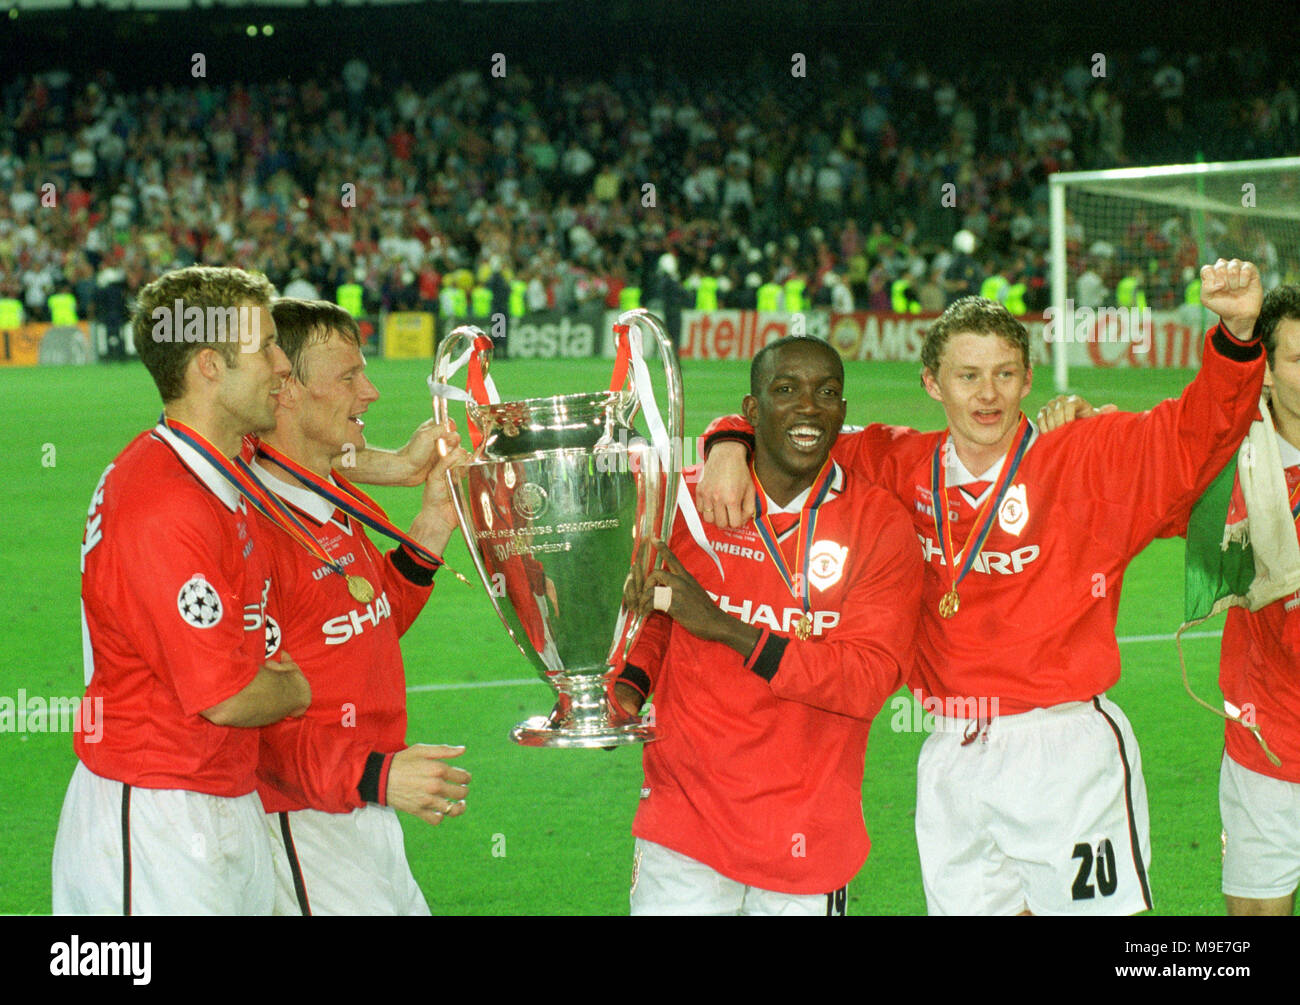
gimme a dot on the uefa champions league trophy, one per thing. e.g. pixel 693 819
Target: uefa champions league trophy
pixel 559 502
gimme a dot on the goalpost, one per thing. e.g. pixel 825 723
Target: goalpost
pixel 1127 246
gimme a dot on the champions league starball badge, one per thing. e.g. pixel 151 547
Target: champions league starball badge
pixel 199 602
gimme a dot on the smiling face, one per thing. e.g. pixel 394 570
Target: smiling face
pixel 980 382
pixel 331 400
pixel 796 414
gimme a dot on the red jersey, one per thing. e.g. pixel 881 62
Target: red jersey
pixel 173 593
pixel 757 771
pixel 1036 623
pixel 1259 671
pixel 347 650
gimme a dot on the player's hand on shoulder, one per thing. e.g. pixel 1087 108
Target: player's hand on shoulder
pixel 1065 408
pixel 422 783
pixel 1232 289
pixel 725 494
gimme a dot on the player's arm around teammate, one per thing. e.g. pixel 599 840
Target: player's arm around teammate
pixel 1085 503
pixel 765 679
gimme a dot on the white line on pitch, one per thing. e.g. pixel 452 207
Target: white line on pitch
pixel 1168 638
pixel 474 685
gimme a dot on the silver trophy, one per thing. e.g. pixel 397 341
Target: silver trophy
pixel 561 500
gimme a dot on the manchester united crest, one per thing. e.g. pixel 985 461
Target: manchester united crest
pixel 1013 514
pixel 826 563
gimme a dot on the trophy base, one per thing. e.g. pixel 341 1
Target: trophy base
pixel 539 731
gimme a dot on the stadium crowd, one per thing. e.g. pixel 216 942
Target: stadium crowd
pixel 546 191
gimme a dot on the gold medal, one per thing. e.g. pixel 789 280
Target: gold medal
pixel 360 588
pixel 803 628
pixel 949 603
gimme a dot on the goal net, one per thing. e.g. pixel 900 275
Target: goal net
pixel 1127 247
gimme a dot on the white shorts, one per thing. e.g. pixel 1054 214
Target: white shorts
pixel 665 882
pixel 342 863
pixel 1261 833
pixel 1044 811
pixel 122 849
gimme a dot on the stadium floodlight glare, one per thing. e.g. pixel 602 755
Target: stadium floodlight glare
pixel 1152 224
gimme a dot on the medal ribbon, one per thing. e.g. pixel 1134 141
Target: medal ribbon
pixel 350 500
pixel 1295 501
pixel 821 488
pixel 241 476
pixel 979 531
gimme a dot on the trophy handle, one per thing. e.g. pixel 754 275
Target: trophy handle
pixel 670 453
pixel 676 404
pixel 463 344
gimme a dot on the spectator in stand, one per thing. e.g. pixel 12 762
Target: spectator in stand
pixel 212 173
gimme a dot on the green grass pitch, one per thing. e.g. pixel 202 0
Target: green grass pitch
pixel 547 832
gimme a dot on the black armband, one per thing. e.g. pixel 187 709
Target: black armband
pixel 1228 345
pixel 374 779
pixel 729 436
pixel 765 660
pixel 637 679
pixel 413 567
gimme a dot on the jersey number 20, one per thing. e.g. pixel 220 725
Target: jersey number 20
pixel 1107 878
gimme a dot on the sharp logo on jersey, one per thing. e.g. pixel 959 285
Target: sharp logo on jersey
pixel 341 629
pixel 199 602
pixel 1001 562
pixel 825 563
pixel 766 615
pixel 1014 512
pixel 255 614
